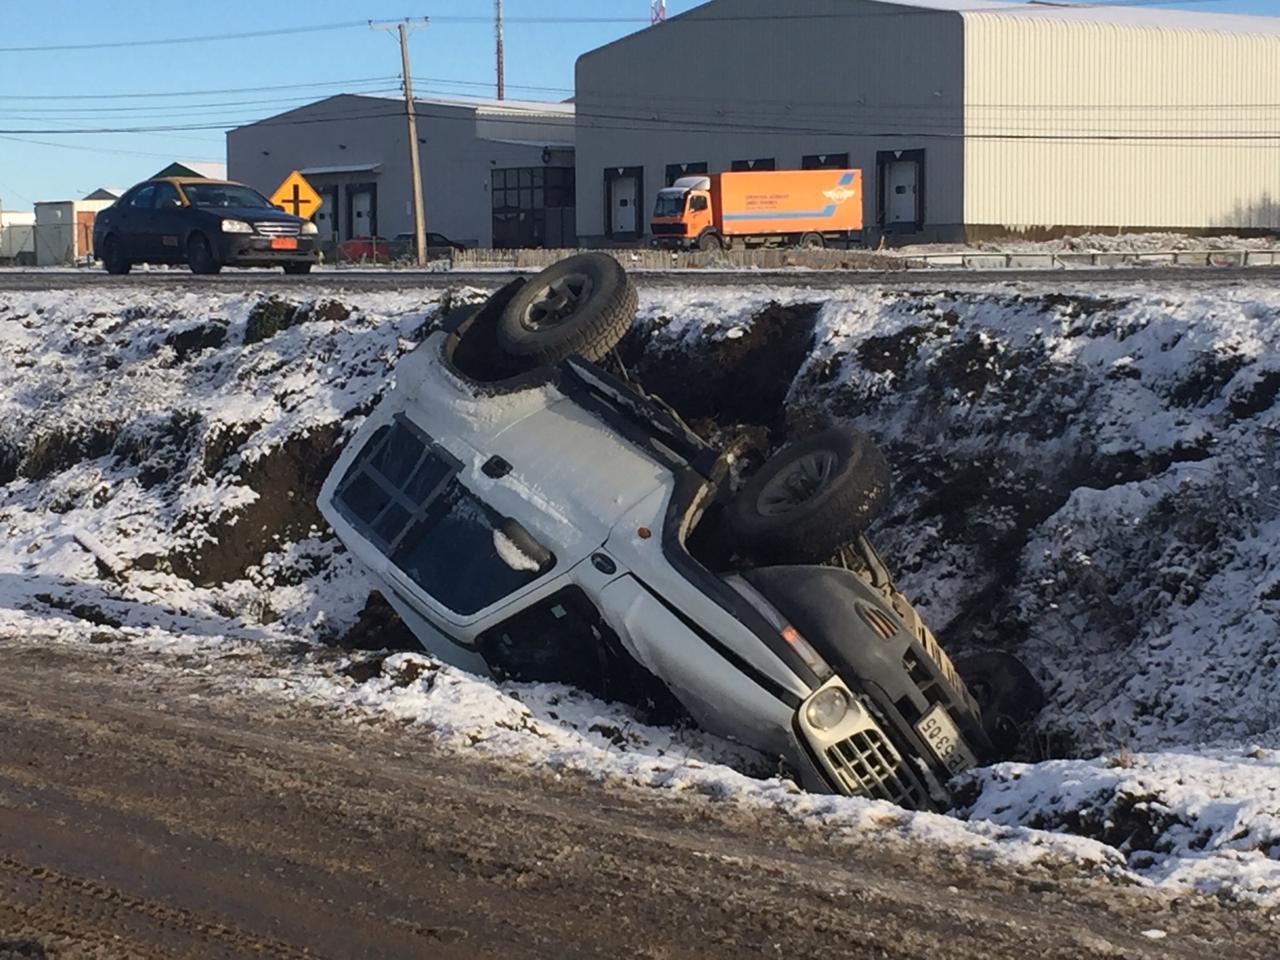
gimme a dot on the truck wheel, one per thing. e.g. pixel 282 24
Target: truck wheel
pixel 581 306
pixel 810 499
pixel 710 241
pixel 113 258
pixel 200 256
pixel 812 241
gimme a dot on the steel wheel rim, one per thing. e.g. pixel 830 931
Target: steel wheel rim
pixel 558 301
pixel 801 480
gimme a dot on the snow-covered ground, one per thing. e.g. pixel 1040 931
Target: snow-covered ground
pixel 1100 243
pixel 1090 481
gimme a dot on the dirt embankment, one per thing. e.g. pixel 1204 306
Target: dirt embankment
pixel 210 825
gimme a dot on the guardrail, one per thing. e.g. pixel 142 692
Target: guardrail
pixel 1028 260
pixel 645 258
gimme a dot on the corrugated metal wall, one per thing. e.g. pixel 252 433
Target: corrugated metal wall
pixel 747 79
pixel 1035 77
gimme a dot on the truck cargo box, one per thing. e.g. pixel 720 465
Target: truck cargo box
pixel 788 201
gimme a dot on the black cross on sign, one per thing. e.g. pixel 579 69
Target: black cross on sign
pixel 296 200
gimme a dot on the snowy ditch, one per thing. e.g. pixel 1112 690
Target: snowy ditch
pixel 1092 482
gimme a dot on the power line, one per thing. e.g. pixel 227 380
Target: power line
pixel 1047 11
pixel 96 149
pixel 205 38
pixel 885 128
pixel 193 93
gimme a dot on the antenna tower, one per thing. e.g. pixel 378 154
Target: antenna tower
pixel 497 34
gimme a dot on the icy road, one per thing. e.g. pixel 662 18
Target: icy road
pixel 153 811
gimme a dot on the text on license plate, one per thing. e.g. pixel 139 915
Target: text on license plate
pixel 938 730
pixel 284 243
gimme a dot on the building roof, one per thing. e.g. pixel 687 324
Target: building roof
pixel 483 105
pixel 1115 14
pixel 200 169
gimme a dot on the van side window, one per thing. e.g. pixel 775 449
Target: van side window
pixel 403 495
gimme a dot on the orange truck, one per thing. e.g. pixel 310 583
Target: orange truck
pixel 805 208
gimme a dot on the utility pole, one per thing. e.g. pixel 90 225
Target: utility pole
pixel 415 168
pixel 497 29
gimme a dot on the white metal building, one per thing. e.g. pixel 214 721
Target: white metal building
pixel 969 118
pixel 64 230
pixel 494 172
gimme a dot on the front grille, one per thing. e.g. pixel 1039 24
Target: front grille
pixel 670 229
pixel 867 765
pixel 273 228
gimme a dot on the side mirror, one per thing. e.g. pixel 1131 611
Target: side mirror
pixel 518 548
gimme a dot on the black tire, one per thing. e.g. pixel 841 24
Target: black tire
pixel 113 258
pixel 812 241
pixel 710 241
pixel 296 268
pixel 809 499
pixel 200 256
pixel 580 306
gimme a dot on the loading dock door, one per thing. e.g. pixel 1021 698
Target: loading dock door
pixel 624 200
pixel 900 195
pixel 624 205
pixel 327 215
pixel 900 198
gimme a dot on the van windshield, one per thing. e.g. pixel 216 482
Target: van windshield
pixel 669 204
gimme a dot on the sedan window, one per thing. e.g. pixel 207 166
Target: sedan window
pixel 166 197
pixel 144 197
pixel 403 495
pixel 225 195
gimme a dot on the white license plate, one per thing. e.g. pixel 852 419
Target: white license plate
pixel 938 730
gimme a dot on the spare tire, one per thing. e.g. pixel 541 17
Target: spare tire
pixel 809 499
pixel 582 305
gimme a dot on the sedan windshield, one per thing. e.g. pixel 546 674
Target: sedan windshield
pixel 224 195
pixel 669 204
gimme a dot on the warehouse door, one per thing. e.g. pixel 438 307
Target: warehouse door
pixel 362 216
pixel 900 204
pixel 327 216
pixel 624 196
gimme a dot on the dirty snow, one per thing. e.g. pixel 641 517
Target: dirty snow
pixel 1092 482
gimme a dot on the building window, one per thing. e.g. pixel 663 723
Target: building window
pixel 825 161
pixel 521 198
pixel 764 163
pixel 677 170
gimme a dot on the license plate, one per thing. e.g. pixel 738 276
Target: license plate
pixel 938 730
pixel 284 243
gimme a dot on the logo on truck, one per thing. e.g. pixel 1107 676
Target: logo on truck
pixel 838 194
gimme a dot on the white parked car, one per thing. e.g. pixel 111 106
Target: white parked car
pixel 532 516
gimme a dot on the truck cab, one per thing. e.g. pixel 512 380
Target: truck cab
pixel 683 215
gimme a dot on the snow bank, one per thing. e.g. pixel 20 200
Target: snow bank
pixel 1091 482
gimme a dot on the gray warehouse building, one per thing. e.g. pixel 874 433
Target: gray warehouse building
pixel 968 118
pixel 494 173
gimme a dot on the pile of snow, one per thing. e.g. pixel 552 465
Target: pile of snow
pixel 1090 482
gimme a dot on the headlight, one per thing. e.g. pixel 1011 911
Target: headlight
pixel 827 709
pixel 309 228
pixel 236 226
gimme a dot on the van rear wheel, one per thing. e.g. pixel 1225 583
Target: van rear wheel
pixel 810 499
pixel 580 306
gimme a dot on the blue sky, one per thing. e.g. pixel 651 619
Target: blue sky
pixel 454 57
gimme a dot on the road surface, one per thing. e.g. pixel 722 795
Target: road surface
pixel 367 280
pixel 147 813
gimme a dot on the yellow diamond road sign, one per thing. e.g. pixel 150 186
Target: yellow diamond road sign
pixel 296 196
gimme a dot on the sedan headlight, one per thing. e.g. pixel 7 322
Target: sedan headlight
pixel 827 708
pixel 236 226
pixel 309 229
